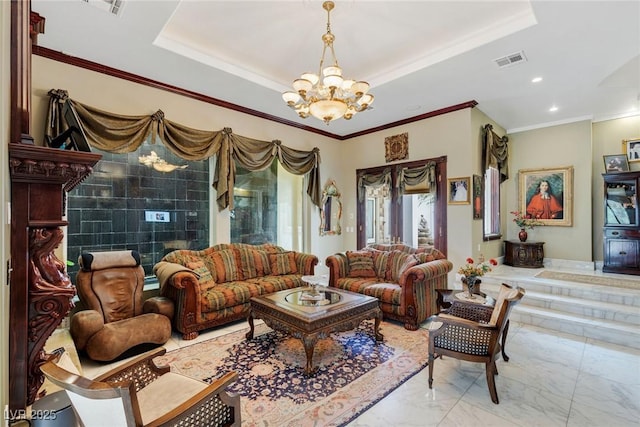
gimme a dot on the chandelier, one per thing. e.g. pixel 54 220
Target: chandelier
pixel 327 95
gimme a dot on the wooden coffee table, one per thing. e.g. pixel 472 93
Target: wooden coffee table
pixel 310 318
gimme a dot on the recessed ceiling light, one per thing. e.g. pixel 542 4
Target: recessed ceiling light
pixel 554 108
pixel 536 80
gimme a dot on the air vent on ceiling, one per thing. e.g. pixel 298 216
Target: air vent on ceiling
pixel 111 6
pixel 512 59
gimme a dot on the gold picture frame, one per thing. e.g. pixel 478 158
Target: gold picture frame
pixel 396 147
pixel 459 191
pixel 547 194
pixel 631 149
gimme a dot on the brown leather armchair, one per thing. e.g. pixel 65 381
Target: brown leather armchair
pixel 110 285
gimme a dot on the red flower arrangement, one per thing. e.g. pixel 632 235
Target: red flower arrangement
pixel 479 269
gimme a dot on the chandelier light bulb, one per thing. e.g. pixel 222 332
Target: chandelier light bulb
pixel 328 95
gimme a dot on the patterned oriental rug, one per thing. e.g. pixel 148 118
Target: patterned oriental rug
pixel 592 280
pixel 354 372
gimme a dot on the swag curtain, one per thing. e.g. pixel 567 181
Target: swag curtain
pixel 414 176
pixel 381 178
pixel 496 152
pixel 117 133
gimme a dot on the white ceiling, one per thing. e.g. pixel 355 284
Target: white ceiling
pixel 419 56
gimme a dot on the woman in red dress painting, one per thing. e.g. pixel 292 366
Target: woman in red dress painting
pixel 543 204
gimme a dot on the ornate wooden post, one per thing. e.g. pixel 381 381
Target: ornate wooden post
pixel 41 291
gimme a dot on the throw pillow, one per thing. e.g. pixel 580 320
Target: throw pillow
pixel 205 279
pixel 283 263
pixel 409 262
pixel 380 261
pixel 396 261
pixel 361 264
pixel 254 263
pixel 198 267
pixel 223 266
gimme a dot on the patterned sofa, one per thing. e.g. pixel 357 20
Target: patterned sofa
pixel 403 278
pixel 213 286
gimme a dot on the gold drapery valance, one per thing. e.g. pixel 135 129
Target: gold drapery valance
pixel 370 179
pixel 416 175
pixel 116 133
pixel 496 152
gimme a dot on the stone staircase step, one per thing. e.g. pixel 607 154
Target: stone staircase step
pixel 598 329
pixel 605 313
pixel 601 310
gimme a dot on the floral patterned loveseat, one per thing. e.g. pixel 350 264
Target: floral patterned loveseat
pixel 403 278
pixel 213 286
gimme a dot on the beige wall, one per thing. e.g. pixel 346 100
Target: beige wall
pixel 607 139
pixel 552 147
pixel 446 135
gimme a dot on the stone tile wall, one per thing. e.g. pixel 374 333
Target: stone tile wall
pixel 112 208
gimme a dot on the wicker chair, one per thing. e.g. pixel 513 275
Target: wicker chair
pixel 474 336
pixel 139 393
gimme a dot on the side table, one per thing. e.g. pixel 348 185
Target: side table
pixel 523 254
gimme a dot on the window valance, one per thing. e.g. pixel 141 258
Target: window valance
pixel 496 152
pixel 416 175
pixel 373 179
pixel 118 133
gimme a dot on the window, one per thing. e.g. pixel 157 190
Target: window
pixel 491 204
pixel 267 207
pixel 149 200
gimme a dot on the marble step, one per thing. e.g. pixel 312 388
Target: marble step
pixel 603 330
pixel 583 291
pixel 599 312
pixel 602 310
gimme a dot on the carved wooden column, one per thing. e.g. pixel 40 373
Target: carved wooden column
pixel 41 292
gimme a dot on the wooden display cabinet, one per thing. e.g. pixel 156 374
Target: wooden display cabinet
pixel 621 226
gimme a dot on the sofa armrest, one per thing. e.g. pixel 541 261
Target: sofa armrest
pixel 426 271
pixel 419 284
pixel 338 267
pixel 306 263
pixel 160 305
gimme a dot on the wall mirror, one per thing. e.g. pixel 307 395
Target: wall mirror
pixel 331 210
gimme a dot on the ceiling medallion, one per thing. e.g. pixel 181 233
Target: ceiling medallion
pixel 327 95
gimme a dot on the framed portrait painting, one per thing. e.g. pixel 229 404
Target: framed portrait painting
pixel 631 148
pixel 478 199
pixel 547 194
pixel 616 163
pixel 459 189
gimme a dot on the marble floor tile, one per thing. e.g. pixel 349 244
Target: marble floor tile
pixel 552 379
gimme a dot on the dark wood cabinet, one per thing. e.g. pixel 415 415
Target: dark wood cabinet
pixel 621 226
pixel 524 254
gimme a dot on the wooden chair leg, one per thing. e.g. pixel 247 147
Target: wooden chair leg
pixel 504 340
pixel 431 360
pixel 491 372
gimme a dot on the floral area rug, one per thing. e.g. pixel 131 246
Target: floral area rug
pixel 354 372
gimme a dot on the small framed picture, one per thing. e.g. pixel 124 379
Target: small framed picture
pixel 616 163
pixel 478 199
pixel 459 190
pixel 631 148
